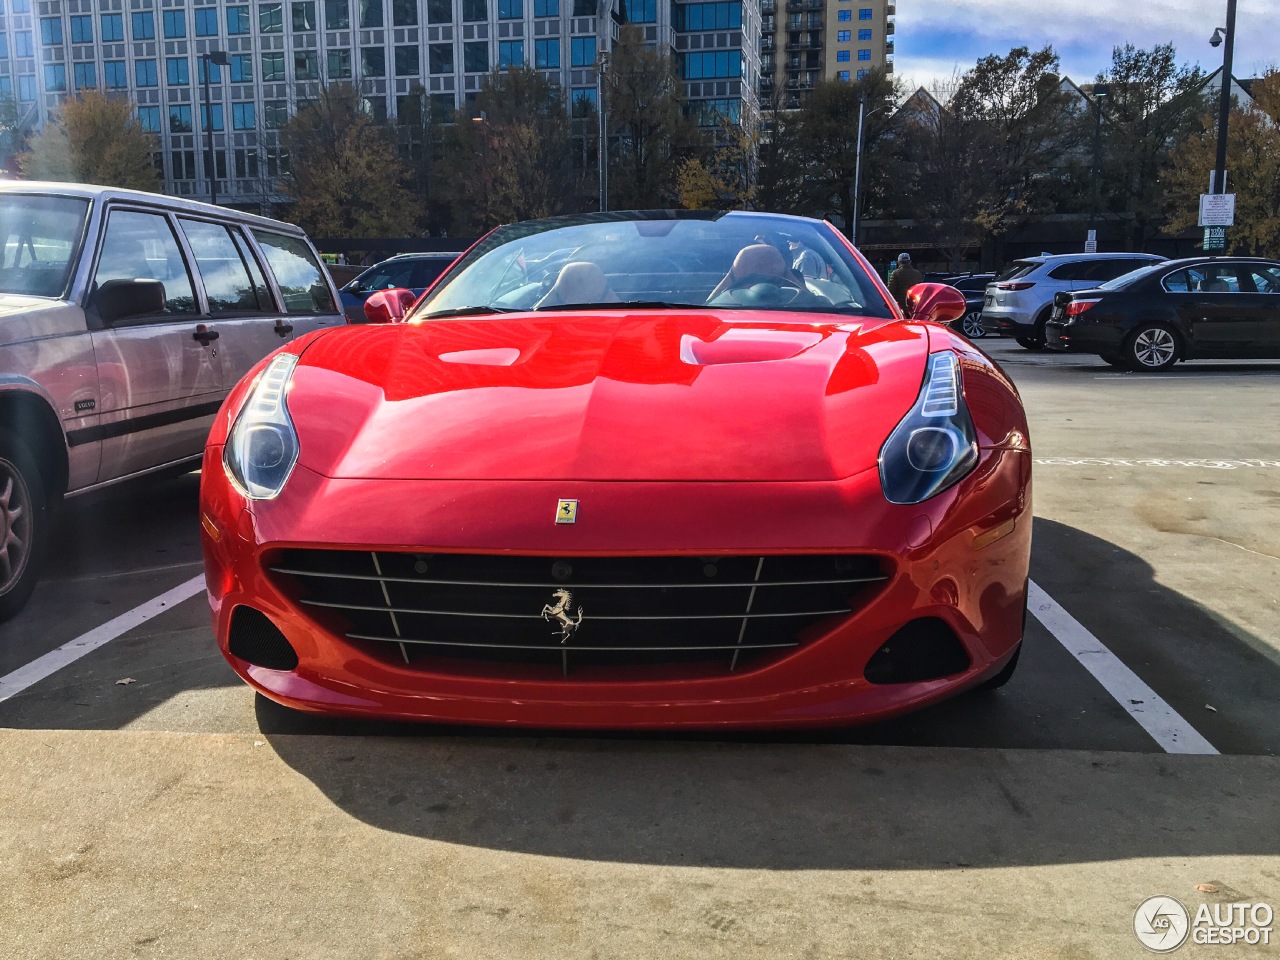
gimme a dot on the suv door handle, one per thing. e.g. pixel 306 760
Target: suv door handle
pixel 204 335
pixel 283 329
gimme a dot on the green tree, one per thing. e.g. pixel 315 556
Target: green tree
pixel 649 133
pixel 345 176
pixel 514 159
pixel 1253 159
pixel 93 139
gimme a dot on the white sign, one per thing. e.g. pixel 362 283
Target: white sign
pixel 1217 209
pixel 1091 245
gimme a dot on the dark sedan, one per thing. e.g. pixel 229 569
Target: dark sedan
pixel 974 288
pixel 411 271
pixel 1199 308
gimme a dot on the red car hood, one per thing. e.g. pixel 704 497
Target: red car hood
pixel 619 395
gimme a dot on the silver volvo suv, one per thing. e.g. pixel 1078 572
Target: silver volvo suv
pixel 125 318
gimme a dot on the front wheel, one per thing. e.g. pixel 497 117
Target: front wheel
pixel 971 325
pixel 1152 346
pixel 23 525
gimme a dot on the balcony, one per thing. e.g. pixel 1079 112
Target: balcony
pixel 768 7
pixel 795 6
pixel 889 29
pixel 814 22
pixel 888 49
pixel 804 44
pixel 767 44
pixel 891 10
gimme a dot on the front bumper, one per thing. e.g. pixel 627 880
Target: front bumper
pixel 937 571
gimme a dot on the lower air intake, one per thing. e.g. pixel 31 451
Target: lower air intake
pixel 924 649
pixel 256 639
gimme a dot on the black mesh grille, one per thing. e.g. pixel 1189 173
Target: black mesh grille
pixel 620 611
pixel 256 639
pixel 924 649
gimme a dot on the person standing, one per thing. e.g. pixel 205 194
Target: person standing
pixel 903 279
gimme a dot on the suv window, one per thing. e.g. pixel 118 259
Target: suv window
pixel 1072 270
pixel 425 272
pixel 971 284
pixel 139 245
pixel 1017 269
pixel 393 274
pixel 227 282
pixel 297 273
pixel 39 239
pixel 1103 270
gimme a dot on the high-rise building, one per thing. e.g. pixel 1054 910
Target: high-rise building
pixel 278 53
pixel 804 41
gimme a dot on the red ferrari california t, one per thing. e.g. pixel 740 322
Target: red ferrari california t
pixel 649 470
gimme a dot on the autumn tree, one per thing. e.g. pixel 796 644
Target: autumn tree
pixel 649 133
pixel 92 138
pixel 513 158
pixel 724 175
pixel 1150 105
pixel 1253 160
pixel 345 177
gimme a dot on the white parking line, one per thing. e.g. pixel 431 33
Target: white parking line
pixel 32 673
pixel 1165 725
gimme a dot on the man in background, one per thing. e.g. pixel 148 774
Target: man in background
pixel 903 279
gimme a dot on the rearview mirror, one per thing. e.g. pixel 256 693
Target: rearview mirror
pixel 120 299
pixel 388 306
pixel 937 302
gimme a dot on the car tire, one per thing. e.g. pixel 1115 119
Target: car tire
pixel 1115 359
pixel 1005 674
pixel 1151 347
pixel 1030 343
pixel 971 325
pixel 24 524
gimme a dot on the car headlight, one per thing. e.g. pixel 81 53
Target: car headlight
pixel 262 446
pixel 935 445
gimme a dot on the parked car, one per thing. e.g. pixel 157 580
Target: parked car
pixel 1017 304
pixel 125 317
pixel 626 472
pixel 408 271
pixel 1189 309
pixel 974 287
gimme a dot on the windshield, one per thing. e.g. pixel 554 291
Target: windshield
pixel 39 241
pixel 680 259
pixel 1133 276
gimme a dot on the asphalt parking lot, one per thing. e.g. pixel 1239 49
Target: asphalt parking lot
pixel 151 806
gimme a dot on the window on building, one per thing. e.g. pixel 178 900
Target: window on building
pixel 407 61
pixel 711 112
pixel 646 11
pixel 713 64
pixel 844 15
pixel 21 6
pixel 863 74
pixel 546 8
pixel 243 116
pixel 115 74
pixel 864 34
pixel 475 57
pixel 582 51
pixel 277 161
pixel 237 21
pixel 440 57
pixel 373 61
pixel 439 11
pixel 546 53
pixel 51 31
pixel 207 22
pixel 443 108
pixel 510 54
pixel 337 15
pixel 247 164
pixel 584 8
pixel 864 54
pixel 304 15
pixel 843 36
pixel 339 64
pixel 241 68
pixel 22 45
pixel 707 16
pixel 174 24
pixel 82 29
pixel 184 164
pixel 864 13
pixel 272 67
pixel 215 71
pixel 26 88
pixel 145 73
pixel 4 45
pixel 177 71
pixel 144 26
pixel 84 76
pixel 404 13
pixel 510 9
pixel 475 11
pixel 583 100
pixel 275 114
pixel 270 18
pixel 217 117
pixel 842 56
pixel 306 65
pixel 179 118
pixel 149 119
pixel 842 75
pixel 370 13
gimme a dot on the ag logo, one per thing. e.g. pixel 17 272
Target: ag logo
pixel 1162 924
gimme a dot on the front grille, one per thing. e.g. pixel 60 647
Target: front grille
pixel 454 611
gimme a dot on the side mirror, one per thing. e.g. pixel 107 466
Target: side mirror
pixel 937 302
pixel 388 306
pixel 120 299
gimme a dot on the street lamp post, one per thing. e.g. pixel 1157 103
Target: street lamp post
pixel 1100 90
pixel 1224 105
pixel 603 158
pixel 857 169
pixel 220 58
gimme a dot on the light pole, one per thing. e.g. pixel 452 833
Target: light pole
pixel 857 169
pixel 603 158
pixel 1100 90
pixel 220 58
pixel 1224 105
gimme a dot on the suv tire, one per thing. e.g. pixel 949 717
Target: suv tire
pixel 24 524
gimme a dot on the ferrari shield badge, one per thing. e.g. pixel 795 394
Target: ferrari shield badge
pixel 562 612
pixel 567 511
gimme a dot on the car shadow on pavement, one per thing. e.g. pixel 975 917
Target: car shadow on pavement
pixel 882 796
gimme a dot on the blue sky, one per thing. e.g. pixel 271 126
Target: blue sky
pixel 935 38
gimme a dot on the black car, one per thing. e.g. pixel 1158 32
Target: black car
pixel 1199 308
pixel 413 271
pixel 974 287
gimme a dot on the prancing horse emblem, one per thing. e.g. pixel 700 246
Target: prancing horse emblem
pixel 562 610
